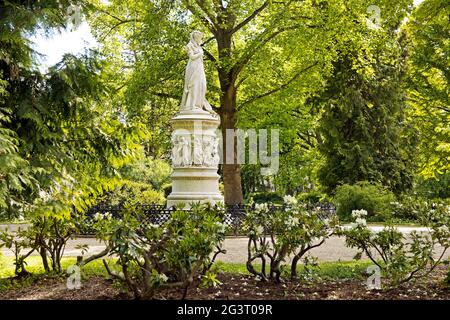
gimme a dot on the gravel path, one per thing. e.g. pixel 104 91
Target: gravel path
pixel 333 249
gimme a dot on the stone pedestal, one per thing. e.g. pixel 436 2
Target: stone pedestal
pixel 195 158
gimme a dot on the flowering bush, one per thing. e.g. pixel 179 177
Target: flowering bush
pixel 47 234
pixel 172 254
pixel 401 259
pixel 413 208
pixel 277 233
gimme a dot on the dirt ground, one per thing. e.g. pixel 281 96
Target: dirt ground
pixel 239 287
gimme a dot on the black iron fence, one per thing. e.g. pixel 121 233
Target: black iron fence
pixel 233 215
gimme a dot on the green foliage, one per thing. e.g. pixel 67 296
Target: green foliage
pixel 46 235
pixel 265 197
pixel 61 141
pixel 18 243
pixel 435 187
pixel 415 208
pixel 155 172
pixel 375 199
pixel 171 255
pixel 364 133
pixel 276 234
pixel 130 193
pixel 15 173
pixel 402 259
pixel 313 196
pixel 429 82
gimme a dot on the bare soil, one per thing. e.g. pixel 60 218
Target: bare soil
pixel 239 287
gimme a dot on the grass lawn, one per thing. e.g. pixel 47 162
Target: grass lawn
pixel 329 270
pixel 325 271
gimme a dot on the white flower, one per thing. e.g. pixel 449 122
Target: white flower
pixel 261 207
pixel 289 200
pixel 44 195
pixel 259 230
pixel 361 221
pixel 359 213
pixel 163 277
pixel 107 216
pixel 292 222
pixel 443 229
pixel 98 216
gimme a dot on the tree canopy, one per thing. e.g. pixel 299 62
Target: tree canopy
pixel 355 99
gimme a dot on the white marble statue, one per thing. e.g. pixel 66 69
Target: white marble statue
pixel 176 152
pixel 185 147
pixel 194 93
pixel 181 151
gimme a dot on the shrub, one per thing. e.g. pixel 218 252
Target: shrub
pixel 312 197
pixel 154 172
pixel 401 259
pixel 171 255
pixel 47 235
pixel 275 233
pixel 131 192
pixel 375 199
pixel 50 234
pixel 265 197
pixel 18 243
pixel 413 208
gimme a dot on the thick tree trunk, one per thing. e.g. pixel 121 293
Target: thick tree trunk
pixel 227 78
pixel 231 171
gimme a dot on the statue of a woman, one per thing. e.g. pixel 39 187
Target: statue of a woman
pixel 185 146
pixel 198 150
pixel 195 79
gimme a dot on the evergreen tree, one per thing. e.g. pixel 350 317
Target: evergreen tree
pixel 365 135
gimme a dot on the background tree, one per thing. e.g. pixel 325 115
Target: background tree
pixel 256 50
pixel 428 86
pixel 61 140
pixel 365 134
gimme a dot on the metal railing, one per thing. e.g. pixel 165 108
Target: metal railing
pixel 233 215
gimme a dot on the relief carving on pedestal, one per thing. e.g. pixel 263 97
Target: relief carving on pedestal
pixel 203 152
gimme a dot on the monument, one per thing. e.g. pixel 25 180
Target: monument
pixel 195 146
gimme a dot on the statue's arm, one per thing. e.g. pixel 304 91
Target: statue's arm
pixel 192 54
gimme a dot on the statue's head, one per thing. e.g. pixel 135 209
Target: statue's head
pixel 197 37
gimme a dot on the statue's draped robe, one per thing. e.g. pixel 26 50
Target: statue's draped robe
pixel 195 81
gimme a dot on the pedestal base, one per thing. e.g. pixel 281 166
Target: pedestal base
pixel 194 185
pixel 194 159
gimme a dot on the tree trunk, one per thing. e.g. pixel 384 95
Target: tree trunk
pixel 227 78
pixel 43 254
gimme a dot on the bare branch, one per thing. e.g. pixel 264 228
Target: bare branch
pixel 250 17
pixel 207 22
pixel 283 86
pixel 201 4
pixel 166 95
pixel 117 25
pixel 81 262
pixel 210 57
